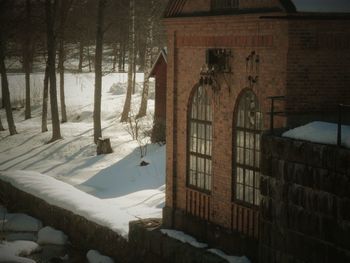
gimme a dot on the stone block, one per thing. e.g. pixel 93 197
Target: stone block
pixel 297 153
pixel 343 161
pixel 212 258
pixel 314 154
pixel 266 165
pixel 344 208
pixel 329 157
pixel 329 229
pixel 170 248
pixel 341 185
pixel 264 185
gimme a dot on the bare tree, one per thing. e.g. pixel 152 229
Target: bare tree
pixel 6 7
pixel 45 101
pixel 64 6
pixel 50 10
pixel 28 50
pixel 131 51
pixel 147 65
pixel 98 70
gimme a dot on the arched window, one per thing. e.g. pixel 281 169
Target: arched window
pixel 200 133
pixel 247 149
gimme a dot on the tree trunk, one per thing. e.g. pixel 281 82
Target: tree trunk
pixel 120 57
pixel 45 101
pixel 61 69
pixel 89 58
pixel 134 73
pixel 127 104
pixel 147 68
pixel 27 59
pixel 5 88
pixel 27 112
pixel 115 55
pixel 1 126
pixel 51 51
pixel 124 55
pixel 98 70
pixel 81 56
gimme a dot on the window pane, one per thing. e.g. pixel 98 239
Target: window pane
pixel 209 182
pixel 239 191
pixel 249 157
pixel 257 197
pixel 240 175
pixel 249 195
pixel 240 155
pixel 257 159
pixel 257 142
pixel 249 177
pixel 249 140
pixel 257 180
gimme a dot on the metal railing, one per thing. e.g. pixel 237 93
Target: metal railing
pixel 274 113
pixel 341 109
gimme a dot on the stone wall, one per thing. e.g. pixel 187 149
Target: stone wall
pixel 154 246
pixel 145 244
pixel 83 234
pixel 305 208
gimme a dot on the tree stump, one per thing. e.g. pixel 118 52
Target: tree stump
pixel 104 146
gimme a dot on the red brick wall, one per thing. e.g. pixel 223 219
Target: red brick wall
pixel 318 75
pixel 188 41
pixel 199 6
pixel 160 92
pixel 306 60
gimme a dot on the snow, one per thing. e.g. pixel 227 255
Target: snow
pixel 337 6
pixel 184 238
pixel 21 223
pixel 94 256
pixel 108 189
pixel 13 251
pixel 51 236
pixel 320 132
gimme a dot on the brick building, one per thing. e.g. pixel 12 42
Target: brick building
pixel 225 58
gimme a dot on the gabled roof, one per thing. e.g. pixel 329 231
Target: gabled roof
pixel 162 55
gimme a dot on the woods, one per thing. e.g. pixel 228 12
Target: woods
pixel 54 37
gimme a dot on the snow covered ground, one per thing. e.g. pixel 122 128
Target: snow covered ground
pixel 116 182
pixel 320 132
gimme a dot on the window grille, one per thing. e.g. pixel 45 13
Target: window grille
pixel 200 140
pixel 247 150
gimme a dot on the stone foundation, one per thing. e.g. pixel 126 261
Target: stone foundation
pixel 82 233
pixel 305 208
pixel 146 243
pixel 231 242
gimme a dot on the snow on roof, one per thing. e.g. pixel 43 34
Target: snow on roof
pixel 320 132
pixel 327 6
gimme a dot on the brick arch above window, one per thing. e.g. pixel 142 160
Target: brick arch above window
pixel 200 137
